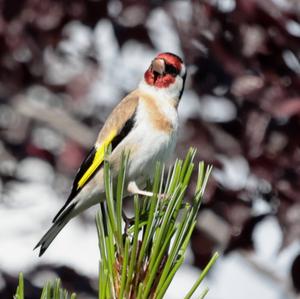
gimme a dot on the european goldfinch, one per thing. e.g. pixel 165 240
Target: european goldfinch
pixel 145 124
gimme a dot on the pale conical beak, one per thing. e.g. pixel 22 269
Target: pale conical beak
pixel 158 66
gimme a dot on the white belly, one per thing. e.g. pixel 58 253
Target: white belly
pixel 151 146
pixel 154 147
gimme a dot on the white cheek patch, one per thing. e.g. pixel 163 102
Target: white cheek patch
pixel 183 70
pixel 172 91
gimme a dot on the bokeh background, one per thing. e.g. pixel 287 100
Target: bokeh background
pixel 65 64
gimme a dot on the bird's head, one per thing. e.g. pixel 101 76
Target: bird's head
pixel 166 74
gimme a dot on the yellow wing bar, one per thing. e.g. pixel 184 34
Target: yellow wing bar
pixel 98 159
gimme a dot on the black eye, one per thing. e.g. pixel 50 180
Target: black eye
pixel 170 69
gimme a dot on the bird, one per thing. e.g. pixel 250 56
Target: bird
pixel 144 124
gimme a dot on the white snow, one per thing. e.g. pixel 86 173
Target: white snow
pixel 293 28
pixel 234 174
pixel 34 169
pixel 27 215
pixel 189 106
pixel 234 277
pixel 292 61
pixel 162 32
pixel 217 109
pixel 226 6
pixel 267 237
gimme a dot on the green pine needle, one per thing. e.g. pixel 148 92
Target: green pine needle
pixel 139 259
pixel 152 248
pixel 20 289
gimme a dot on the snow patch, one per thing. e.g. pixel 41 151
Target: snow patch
pixel 162 32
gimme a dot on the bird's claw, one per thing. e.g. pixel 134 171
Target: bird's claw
pixel 134 189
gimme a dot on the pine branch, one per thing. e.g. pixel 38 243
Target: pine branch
pixel 139 259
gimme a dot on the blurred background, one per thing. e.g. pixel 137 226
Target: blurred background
pixel 65 64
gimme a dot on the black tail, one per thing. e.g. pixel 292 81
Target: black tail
pixel 57 226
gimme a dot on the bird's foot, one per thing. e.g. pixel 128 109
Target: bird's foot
pixel 134 189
